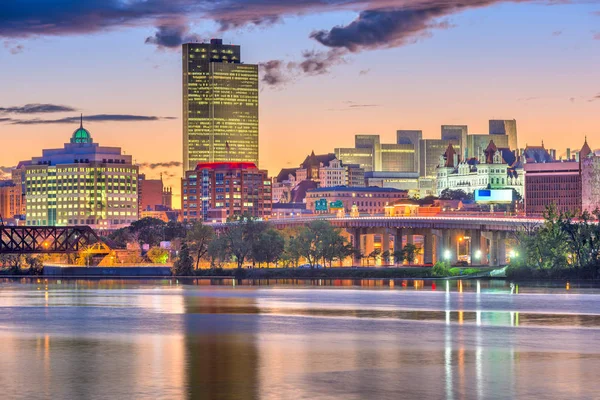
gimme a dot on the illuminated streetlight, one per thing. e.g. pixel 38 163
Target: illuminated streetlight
pixel 447 254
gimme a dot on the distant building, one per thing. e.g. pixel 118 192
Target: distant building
pixel 560 183
pixel 590 179
pixel 355 175
pixel 153 195
pixel 495 168
pixel 10 200
pixel 430 151
pixel 220 105
pixel 457 133
pixel 369 200
pixel 82 184
pixel 505 127
pixel 225 189
pixel 477 143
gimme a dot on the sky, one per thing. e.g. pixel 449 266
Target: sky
pixel 330 69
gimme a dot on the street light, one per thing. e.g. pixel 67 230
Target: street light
pixel 447 254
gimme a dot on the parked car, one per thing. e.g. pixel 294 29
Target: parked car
pixel 308 266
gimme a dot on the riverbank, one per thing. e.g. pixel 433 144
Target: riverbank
pixel 405 272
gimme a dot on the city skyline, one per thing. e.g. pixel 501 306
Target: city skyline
pixel 136 88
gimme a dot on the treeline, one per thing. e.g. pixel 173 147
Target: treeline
pixel 566 245
pixel 249 243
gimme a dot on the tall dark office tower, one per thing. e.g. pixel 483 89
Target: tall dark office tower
pixel 505 127
pixel 220 105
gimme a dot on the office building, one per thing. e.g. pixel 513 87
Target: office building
pixel 430 151
pixel 217 191
pixel 505 127
pixel 81 184
pixel 570 185
pixel 220 105
pixel 477 143
pixel 457 133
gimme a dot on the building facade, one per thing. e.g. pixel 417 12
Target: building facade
pixel 370 200
pixel 506 127
pixel 456 133
pixel 10 200
pixel 496 168
pixel 153 195
pixel 225 189
pixel 220 105
pixel 82 184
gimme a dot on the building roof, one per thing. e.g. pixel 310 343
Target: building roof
pixel 449 156
pixel 285 173
pixel 358 189
pixel 299 192
pixel 226 165
pixel 537 154
pixel 316 160
pixel 585 150
pixel 81 135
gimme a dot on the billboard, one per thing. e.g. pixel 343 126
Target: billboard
pixel 321 205
pixel 494 196
pixel 336 205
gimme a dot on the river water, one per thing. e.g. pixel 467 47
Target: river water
pixel 322 339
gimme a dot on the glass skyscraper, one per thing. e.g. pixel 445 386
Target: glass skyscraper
pixel 220 105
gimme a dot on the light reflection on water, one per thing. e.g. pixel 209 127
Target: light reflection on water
pixel 349 339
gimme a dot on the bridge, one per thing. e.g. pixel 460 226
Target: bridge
pixel 48 240
pixel 482 236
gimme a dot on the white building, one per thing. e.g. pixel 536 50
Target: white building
pixel 494 168
pixel 82 184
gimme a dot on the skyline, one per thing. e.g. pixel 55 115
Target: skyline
pixel 545 85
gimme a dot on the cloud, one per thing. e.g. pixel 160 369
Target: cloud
pixel 385 28
pixel 312 62
pixel 597 36
pixel 13 48
pixel 168 164
pixel 36 109
pixel 557 33
pixel 90 118
pixel 172 36
pixel 351 105
pixel 596 97
pixel 6 172
pixel 364 71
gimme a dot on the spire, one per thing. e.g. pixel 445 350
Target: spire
pixel 81 122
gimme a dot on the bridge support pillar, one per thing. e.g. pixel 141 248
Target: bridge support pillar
pixel 454 246
pixel 439 246
pixel 410 239
pixel 385 247
pixel 475 247
pixel 356 243
pixel 428 247
pixel 497 248
pixel 398 239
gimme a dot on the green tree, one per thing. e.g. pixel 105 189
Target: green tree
pixel 398 256
pixel 410 252
pixel 269 247
pixel 158 255
pixel 374 255
pixel 240 237
pixel 319 241
pixel 185 263
pixel 217 252
pixel 198 238
pixel 175 230
pixel 149 231
pixel 385 257
pixel 458 194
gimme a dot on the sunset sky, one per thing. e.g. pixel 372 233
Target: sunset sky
pixel 335 68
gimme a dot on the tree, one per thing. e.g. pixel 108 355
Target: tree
pixel 198 238
pixel 269 247
pixel 184 264
pixel 320 241
pixel 375 254
pixel 240 237
pixel 410 252
pixel 174 230
pixel 398 256
pixel 458 194
pixel 385 256
pixel 217 252
pixel 149 231
pixel 158 255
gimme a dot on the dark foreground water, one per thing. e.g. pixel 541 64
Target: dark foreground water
pixel 323 339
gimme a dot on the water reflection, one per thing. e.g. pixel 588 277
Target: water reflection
pixel 204 339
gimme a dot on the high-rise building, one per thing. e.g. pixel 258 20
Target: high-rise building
pixel 82 184
pixel 220 105
pixel 225 189
pixel 10 200
pixel 477 143
pixel 373 156
pixel 430 151
pixel 459 134
pixel 505 127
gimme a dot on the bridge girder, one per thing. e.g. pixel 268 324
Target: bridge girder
pixel 46 239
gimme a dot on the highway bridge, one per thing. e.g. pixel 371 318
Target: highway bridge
pixel 481 236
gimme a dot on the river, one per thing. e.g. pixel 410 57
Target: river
pixel 290 339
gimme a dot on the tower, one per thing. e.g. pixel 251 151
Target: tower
pixel 220 105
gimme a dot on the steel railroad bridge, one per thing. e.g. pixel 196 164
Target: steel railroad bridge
pixel 49 240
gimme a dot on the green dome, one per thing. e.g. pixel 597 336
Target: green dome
pixel 81 135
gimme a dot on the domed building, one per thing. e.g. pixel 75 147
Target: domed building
pixel 82 183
